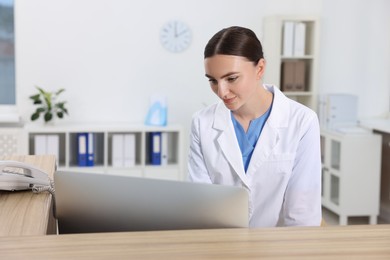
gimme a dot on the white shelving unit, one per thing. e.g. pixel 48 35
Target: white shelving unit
pixel 351 174
pixel 68 149
pixel 273 50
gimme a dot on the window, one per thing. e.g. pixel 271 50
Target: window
pixel 7 53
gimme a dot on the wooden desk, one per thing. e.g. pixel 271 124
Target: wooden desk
pixel 26 213
pixel 334 242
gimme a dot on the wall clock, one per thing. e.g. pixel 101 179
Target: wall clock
pixel 175 36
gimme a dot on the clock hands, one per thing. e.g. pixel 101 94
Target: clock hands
pixel 176 33
pixel 180 33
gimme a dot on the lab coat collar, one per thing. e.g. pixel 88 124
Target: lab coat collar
pixel 280 113
pixel 279 116
pixel 269 138
pixel 227 140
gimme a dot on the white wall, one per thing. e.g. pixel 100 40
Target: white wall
pixel 107 54
pixel 355 52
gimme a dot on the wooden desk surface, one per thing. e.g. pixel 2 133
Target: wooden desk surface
pixel 332 242
pixel 26 213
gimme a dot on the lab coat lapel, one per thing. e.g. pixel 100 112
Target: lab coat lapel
pixel 269 137
pixel 227 140
pixel 264 147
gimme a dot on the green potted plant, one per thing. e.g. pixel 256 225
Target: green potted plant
pixel 48 105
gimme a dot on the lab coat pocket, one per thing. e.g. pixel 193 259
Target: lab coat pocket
pixel 276 168
pixel 280 163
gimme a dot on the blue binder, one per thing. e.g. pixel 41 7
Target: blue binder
pixel 90 149
pixel 155 148
pixel 82 149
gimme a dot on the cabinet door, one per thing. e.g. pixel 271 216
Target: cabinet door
pixel 335 155
pixel 335 170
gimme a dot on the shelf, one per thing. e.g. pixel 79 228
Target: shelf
pixel 298 93
pixel 296 69
pixel 104 149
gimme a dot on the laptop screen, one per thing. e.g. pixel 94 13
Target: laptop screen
pixel 87 202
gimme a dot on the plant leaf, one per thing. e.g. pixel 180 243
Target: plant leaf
pixel 60 105
pixel 40 110
pixel 34 116
pixel 60 91
pixel 60 114
pixel 35 97
pixel 47 97
pixel 48 116
pixel 41 90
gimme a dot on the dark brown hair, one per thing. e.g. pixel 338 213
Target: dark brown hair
pixel 235 40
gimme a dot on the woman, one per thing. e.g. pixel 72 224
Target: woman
pixel 256 137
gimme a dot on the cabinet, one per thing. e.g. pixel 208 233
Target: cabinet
pixel 351 174
pixel 278 60
pixel 67 157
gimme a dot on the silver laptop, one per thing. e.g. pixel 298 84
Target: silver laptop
pixel 87 202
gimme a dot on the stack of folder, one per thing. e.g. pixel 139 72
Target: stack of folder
pixel 293 75
pixel 294 39
pixel 47 144
pixel 123 150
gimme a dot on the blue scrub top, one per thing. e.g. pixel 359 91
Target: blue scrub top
pixel 247 141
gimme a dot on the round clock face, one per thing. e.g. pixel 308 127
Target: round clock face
pixel 175 36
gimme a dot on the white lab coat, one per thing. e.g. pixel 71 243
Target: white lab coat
pixel 284 175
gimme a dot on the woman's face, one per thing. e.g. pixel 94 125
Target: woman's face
pixel 233 78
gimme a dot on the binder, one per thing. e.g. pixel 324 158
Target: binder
pixel 288 38
pixel 164 148
pixel 52 145
pixel 82 149
pixel 90 149
pixel 299 39
pixel 288 72
pixel 39 144
pixel 299 76
pixel 155 148
pixel 117 150
pixel 129 150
